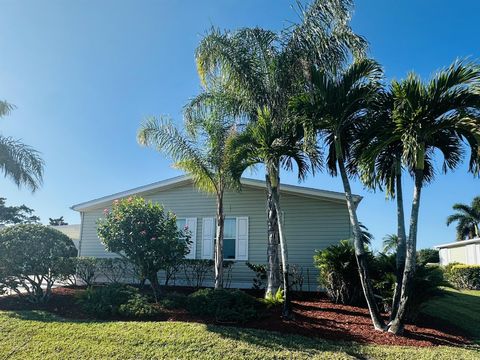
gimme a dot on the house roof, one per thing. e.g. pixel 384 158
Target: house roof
pixel 458 243
pixel 72 230
pixel 184 179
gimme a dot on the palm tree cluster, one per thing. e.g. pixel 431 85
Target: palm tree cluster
pixel 309 99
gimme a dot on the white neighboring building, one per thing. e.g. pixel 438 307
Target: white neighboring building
pixel 72 231
pixel 465 252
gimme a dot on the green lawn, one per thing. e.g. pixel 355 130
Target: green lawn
pixel 461 308
pixel 37 335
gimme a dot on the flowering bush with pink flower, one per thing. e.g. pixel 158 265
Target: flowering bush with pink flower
pixel 146 234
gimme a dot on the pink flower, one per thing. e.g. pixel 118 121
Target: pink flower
pixel 153 238
pixel 106 211
pixel 143 232
pixel 185 227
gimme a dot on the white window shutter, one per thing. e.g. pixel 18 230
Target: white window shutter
pixel 192 227
pixel 208 233
pixel 242 238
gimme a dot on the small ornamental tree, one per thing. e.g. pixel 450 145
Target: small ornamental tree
pixel 32 258
pixel 145 234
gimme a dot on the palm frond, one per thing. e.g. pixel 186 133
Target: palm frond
pixel 5 108
pixel 21 163
pixel 166 138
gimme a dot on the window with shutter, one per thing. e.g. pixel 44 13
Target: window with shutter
pixel 191 225
pixel 208 233
pixel 242 238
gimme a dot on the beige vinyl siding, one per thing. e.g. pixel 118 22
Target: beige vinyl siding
pixel 311 224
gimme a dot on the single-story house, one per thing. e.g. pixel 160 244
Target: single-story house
pixel 464 251
pixel 72 231
pixel 314 219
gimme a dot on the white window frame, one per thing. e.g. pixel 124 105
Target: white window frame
pixel 236 236
pixel 193 247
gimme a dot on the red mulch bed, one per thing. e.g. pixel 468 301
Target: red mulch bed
pixel 315 316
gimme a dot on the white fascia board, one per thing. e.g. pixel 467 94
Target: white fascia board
pixel 458 243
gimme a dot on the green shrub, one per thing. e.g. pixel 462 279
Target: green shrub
pixel 425 284
pixel 146 234
pixel 426 256
pixel 32 258
pixel 260 278
pixel 87 269
pixel 464 276
pixel 174 300
pixel 137 307
pixel 196 270
pixel 425 287
pixel 447 269
pixel 272 300
pixel 296 277
pixel 115 270
pixel 339 273
pixel 104 301
pixel 224 305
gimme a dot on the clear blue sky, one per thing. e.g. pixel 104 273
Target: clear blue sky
pixel 83 74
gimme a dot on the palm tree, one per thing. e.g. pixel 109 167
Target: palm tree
pixel 18 161
pixel 438 116
pixel 380 166
pixel 276 145
pixel 390 243
pixel 263 71
pixel 467 218
pixel 336 107
pixel 201 152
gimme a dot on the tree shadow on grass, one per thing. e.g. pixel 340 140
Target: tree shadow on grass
pixel 457 310
pixel 281 342
pixel 45 316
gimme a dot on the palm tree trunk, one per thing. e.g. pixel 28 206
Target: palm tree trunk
pixel 477 232
pixel 402 239
pixel 275 184
pixel 398 322
pixel 219 243
pixel 360 252
pixel 273 273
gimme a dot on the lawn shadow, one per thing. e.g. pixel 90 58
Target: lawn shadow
pixel 277 341
pixel 46 317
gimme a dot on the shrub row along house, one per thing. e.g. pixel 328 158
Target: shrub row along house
pixel 315 219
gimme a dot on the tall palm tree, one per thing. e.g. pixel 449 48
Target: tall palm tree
pixel 263 70
pixel 467 218
pixel 276 145
pixel 380 165
pixel 20 162
pixel 440 115
pixel 336 107
pixel 202 153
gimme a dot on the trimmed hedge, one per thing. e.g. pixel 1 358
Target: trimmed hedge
pixel 233 306
pixel 112 300
pixel 464 276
